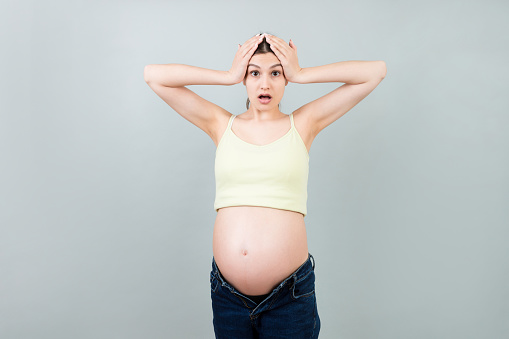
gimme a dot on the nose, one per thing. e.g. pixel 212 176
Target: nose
pixel 264 84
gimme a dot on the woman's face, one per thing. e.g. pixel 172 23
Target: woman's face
pixel 265 82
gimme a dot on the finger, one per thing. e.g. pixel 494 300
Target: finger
pixel 292 45
pixel 245 48
pixel 254 38
pixel 276 39
pixel 277 52
pixel 249 43
pixel 249 51
pixel 280 43
pixel 280 48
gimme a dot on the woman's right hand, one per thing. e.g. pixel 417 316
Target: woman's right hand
pixel 242 57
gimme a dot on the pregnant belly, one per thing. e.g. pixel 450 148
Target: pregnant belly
pixel 255 248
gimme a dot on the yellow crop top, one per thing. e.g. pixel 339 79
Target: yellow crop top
pixel 272 175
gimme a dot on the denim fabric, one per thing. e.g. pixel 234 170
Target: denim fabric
pixel 288 312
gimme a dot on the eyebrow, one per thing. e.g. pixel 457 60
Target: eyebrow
pixel 275 65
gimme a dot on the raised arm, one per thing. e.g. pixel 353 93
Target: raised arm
pixel 178 75
pixel 348 72
pixel 169 81
pixel 359 77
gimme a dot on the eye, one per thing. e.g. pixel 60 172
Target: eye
pixel 255 73
pixel 276 73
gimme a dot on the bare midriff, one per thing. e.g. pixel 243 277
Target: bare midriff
pixel 256 248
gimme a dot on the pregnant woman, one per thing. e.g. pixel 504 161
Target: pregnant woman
pixel 262 279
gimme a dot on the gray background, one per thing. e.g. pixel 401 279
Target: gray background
pixel 107 194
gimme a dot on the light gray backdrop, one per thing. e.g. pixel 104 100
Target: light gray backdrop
pixel 107 194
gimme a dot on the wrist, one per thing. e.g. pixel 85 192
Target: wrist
pixel 298 77
pixel 231 78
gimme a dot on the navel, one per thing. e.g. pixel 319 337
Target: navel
pixel 244 252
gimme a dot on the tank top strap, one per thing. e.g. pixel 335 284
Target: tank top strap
pixel 230 122
pixel 291 120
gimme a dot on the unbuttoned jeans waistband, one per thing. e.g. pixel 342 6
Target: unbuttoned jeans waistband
pixel 299 274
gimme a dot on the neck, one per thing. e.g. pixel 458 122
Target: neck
pixel 265 115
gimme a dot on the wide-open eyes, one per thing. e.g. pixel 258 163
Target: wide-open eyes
pixel 273 73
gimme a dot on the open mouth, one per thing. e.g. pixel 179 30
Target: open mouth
pixel 264 98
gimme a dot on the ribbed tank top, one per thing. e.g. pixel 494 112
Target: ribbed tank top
pixel 272 175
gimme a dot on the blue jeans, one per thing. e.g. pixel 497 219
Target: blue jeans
pixel 288 312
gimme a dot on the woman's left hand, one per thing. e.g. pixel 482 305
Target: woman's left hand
pixel 287 54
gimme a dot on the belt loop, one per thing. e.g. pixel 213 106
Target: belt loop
pixel 311 257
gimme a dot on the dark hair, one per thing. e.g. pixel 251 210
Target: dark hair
pixel 263 48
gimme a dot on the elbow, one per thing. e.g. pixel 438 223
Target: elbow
pixel 383 68
pixel 146 73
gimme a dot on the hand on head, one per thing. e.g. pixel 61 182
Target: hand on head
pixel 242 57
pixel 287 54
